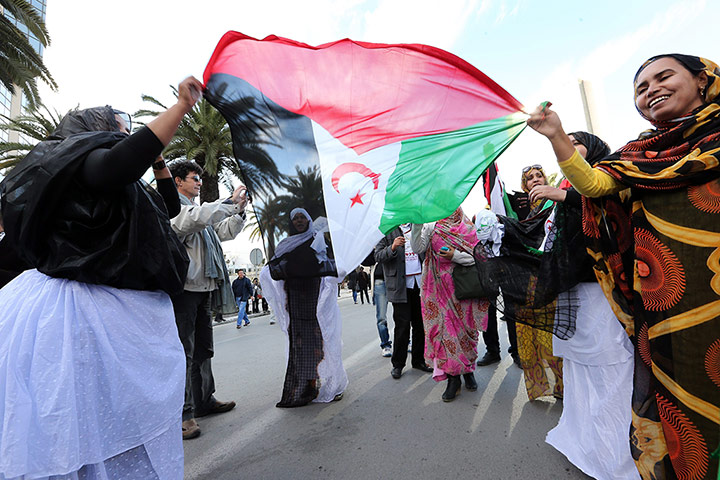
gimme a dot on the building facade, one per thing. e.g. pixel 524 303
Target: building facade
pixel 13 104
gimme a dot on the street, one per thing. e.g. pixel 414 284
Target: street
pixel 382 428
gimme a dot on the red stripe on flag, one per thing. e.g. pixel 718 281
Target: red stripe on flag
pixel 365 94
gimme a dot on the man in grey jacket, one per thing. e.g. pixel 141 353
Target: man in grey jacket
pixel 402 269
pixel 201 228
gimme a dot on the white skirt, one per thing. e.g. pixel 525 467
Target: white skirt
pixel 594 428
pixel 91 381
pixel 333 378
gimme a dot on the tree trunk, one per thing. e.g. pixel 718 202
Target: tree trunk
pixel 209 191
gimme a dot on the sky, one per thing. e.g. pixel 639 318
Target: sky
pixel 111 53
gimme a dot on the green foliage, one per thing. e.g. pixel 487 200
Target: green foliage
pixel 20 64
pixel 36 125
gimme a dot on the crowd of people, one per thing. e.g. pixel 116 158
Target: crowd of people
pixel 609 285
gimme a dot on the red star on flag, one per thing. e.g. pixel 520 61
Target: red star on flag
pixel 357 199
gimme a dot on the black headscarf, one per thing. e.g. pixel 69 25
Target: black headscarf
pixel 597 149
pixel 122 238
pixel 97 119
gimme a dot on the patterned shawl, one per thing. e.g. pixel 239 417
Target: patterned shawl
pixel 657 252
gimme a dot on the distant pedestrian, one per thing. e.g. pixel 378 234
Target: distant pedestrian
pixel 243 290
pixel 362 284
pixel 352 283
pixel 258 297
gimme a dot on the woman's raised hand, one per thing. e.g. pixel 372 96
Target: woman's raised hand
pixel 545 121
pixel 189 92
pixel 165 125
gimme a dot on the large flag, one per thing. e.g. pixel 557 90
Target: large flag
pixel 388 134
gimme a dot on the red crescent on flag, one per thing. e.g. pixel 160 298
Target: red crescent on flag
pixel 349 167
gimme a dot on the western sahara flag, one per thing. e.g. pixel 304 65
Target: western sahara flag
pixel 401 133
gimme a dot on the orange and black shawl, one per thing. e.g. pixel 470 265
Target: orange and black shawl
pixel 657 251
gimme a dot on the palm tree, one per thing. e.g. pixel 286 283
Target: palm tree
pixel 204 136
pixel 269 219
pixel 20 64
pixel 305 190
pixel 34 125
pixel 272 217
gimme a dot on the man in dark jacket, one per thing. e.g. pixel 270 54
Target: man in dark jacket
pixel 402 270
pixel 242 289
pixel 363 281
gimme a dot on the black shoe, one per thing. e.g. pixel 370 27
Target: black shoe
pixel 488 359
pixel 516 360
pixel 453 388
pixel 396 372
pixel 470 383
pixel 424 367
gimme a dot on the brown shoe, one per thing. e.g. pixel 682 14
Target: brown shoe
pixel 216 407
pixel 190 429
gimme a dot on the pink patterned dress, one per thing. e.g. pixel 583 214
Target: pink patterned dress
pixel 451 325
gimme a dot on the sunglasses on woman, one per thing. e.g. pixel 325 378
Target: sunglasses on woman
pixel 531 167
pixel 125 117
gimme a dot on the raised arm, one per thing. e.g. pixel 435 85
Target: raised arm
pixel 126 161
pixel 587 181
pixel 165 125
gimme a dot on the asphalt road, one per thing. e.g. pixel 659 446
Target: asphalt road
pixel 382 429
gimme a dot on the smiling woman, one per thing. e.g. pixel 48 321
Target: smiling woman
pixel 657 258
pixel 666 89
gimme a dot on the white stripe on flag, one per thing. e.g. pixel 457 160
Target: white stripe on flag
pixel 353 225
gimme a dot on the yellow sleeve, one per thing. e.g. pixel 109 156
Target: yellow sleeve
pixel 588 181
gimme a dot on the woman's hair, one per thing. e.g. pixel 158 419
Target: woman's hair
pixel 181 168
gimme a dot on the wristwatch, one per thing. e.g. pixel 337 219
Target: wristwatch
pixel 159 165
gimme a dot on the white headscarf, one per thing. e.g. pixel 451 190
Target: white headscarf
pixel 488 229
pixel 315 230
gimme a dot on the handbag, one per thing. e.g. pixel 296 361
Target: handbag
pixel 466 281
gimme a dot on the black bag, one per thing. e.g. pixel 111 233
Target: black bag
pixel 466 281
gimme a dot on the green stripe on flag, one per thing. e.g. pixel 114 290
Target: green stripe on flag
pixel 435 173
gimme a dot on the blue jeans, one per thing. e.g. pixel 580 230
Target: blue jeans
pixel 354 295
pixel 242 314
pixel 381 303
